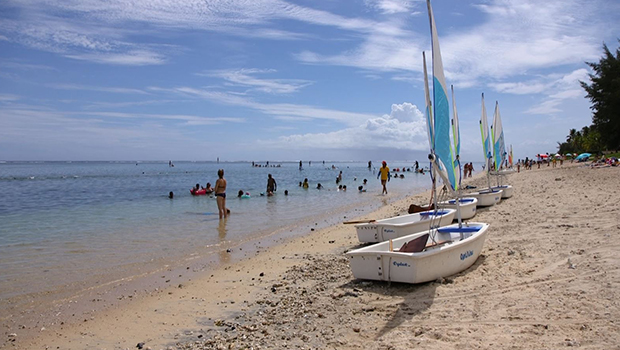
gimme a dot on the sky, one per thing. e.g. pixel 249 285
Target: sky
pixel 277 80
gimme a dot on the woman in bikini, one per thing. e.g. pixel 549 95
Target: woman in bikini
pixel 220 193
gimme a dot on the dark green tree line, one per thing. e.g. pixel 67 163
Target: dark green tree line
pixel 604 93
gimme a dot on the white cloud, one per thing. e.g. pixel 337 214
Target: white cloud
pixel 553 88
pixel 404 129
pixel 130 58
pixel 8 97
pixel 117 90
pixel 246 78
pixel 390 6
pixel 513 38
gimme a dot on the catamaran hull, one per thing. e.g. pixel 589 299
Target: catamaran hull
pixel 467 206
pixel 377 262
pixel 383 230
pixel 507 190
pixel 487 198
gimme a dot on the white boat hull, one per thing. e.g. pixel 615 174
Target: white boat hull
pixel 383 230
pixel 467 206
pixel 503 172
pixel 487 198
pixel 507 190
pixel 377 262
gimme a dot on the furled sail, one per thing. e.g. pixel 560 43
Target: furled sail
pixel 484 132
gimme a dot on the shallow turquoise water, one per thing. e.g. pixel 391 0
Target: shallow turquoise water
pixel 64 223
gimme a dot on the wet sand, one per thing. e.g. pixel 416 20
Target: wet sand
pixel 547 278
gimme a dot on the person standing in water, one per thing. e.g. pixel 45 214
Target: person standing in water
pixel 384 173
pixel 220 193
pixel 271 185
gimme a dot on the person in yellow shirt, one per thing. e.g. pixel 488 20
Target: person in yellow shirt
pixel 384 173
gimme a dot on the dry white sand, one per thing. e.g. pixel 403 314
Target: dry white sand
pixel 547 278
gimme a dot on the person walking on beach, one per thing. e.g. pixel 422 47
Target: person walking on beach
pixel 384 173
pixel 271 185
pixel 220 193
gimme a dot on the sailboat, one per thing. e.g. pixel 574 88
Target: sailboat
pixel 499 153
pixel 436 252
pixel 466 205
pixel 383 230
pixel 488 196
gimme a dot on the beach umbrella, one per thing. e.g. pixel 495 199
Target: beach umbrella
pixel 583 156
pixel 558 155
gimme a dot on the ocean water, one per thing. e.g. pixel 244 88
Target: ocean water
pixel 74 224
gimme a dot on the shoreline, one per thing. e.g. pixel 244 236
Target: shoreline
pixel 521 288
pixel 30 321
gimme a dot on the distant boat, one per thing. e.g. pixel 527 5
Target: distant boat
pixel 436 252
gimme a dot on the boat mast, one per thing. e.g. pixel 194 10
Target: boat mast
pixel 455 130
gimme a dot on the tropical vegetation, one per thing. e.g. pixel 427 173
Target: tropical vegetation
pixel 604 93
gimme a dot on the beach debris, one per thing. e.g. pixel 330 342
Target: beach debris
pixel 331 242
pixel 140 345
pixel 262 274
pixel 570 264
pixel 228 250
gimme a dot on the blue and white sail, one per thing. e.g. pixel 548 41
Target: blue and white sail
pixel 442 143
pixel 499 147
pixel 484 132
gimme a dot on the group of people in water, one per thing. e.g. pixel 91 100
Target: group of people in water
pixel 219 190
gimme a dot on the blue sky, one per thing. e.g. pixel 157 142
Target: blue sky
pixel 286 80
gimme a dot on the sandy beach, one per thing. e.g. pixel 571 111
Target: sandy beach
pixel 547 278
